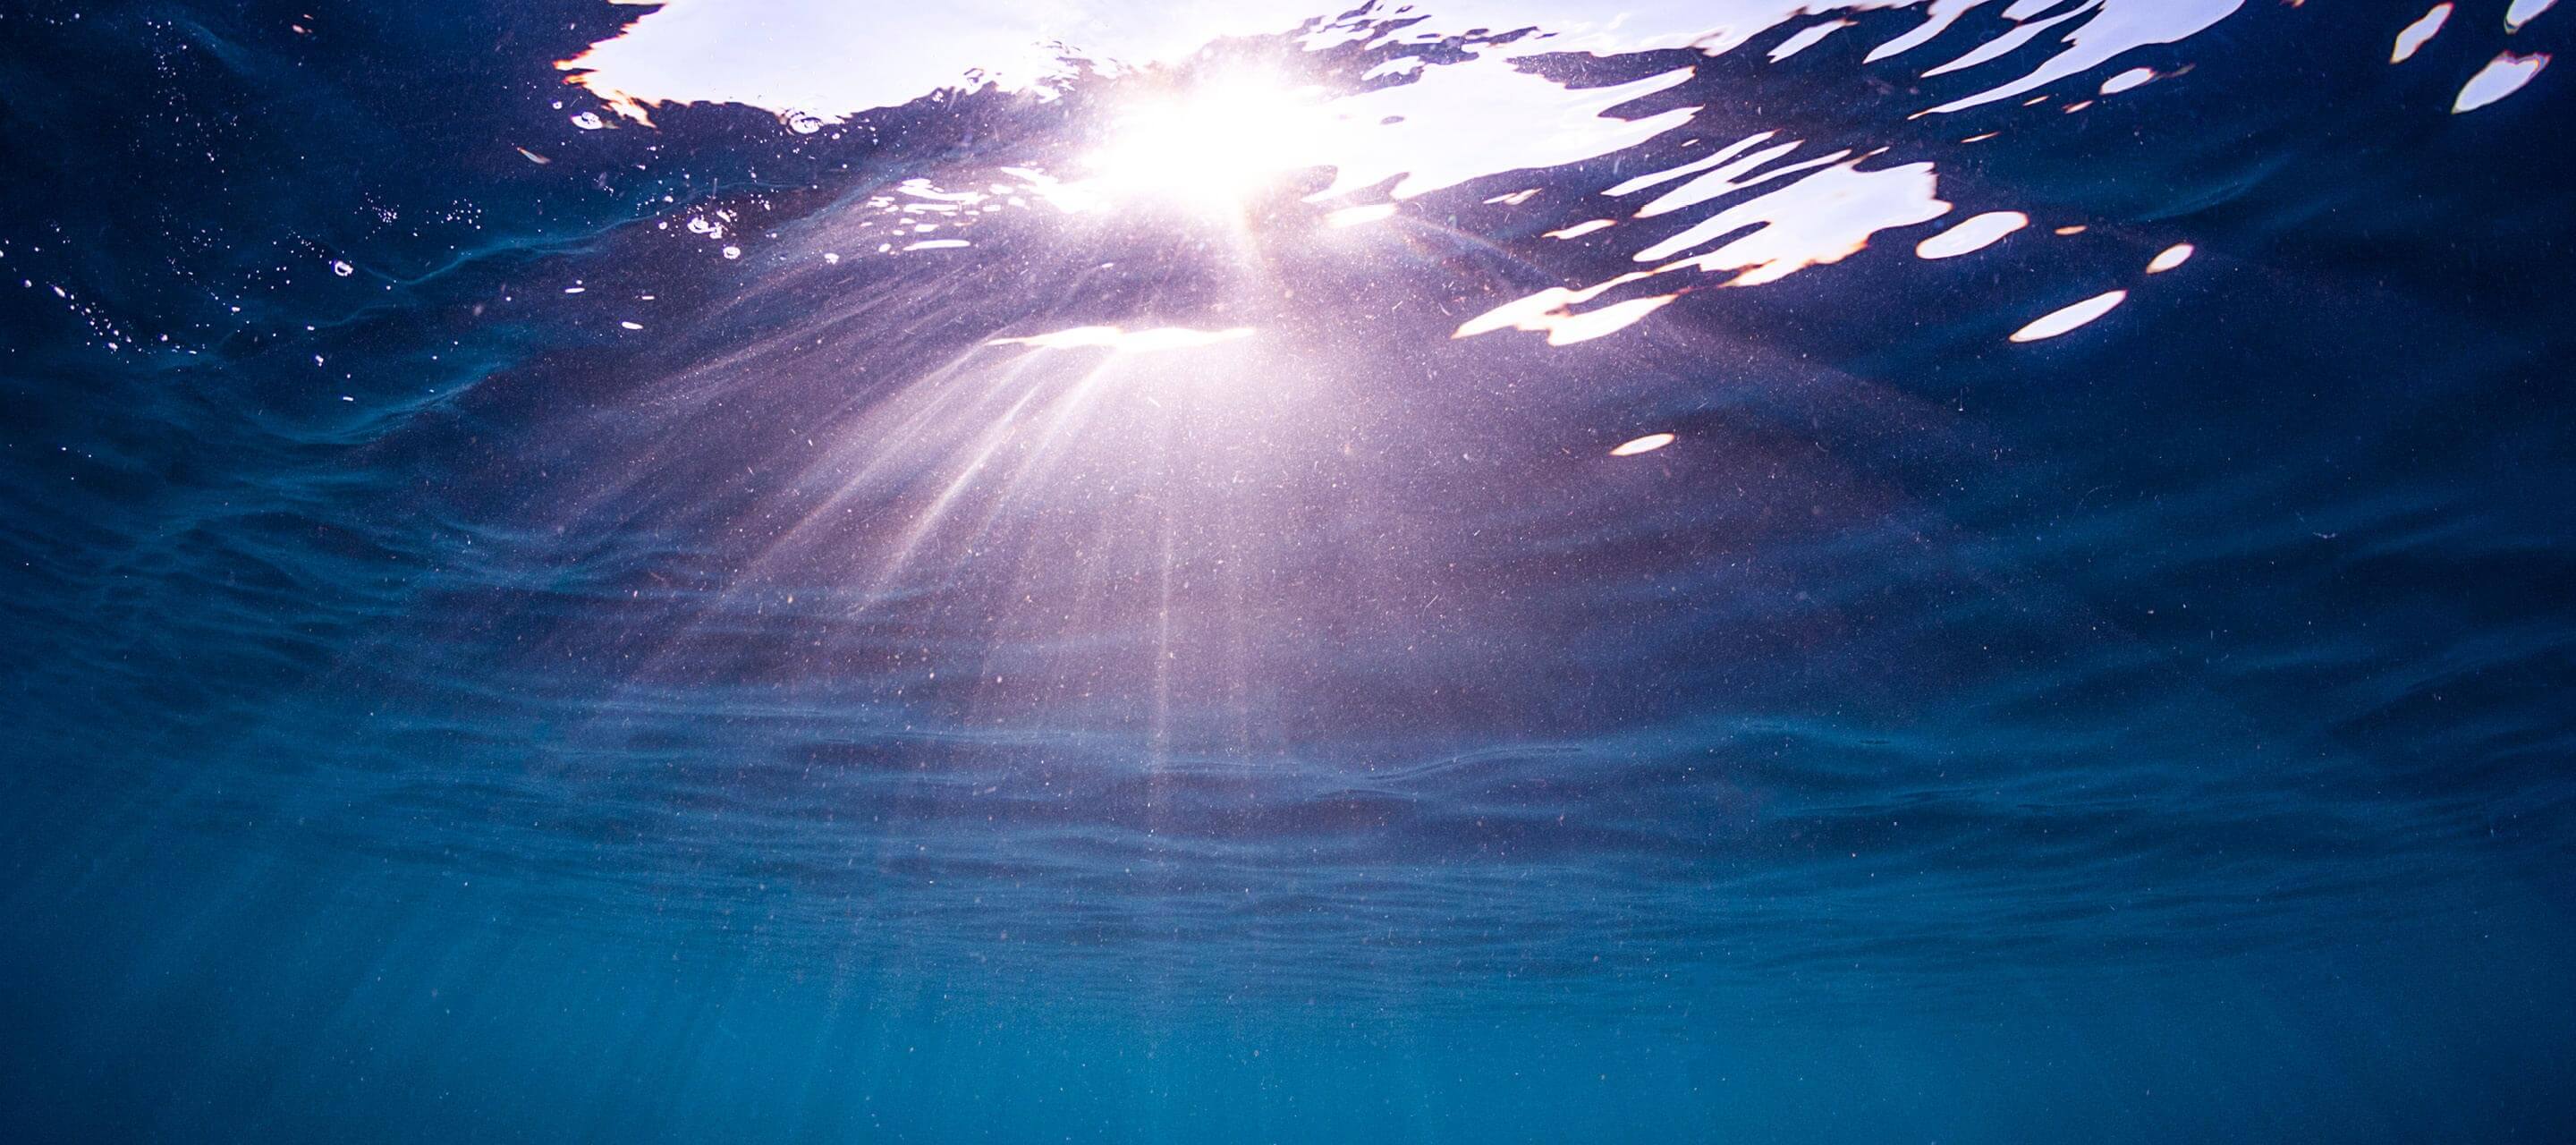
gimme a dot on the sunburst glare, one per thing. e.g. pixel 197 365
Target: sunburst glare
pixel 1214 145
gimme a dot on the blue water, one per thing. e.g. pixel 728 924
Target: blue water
pixel 437 712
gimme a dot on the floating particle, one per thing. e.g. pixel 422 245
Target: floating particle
pixel 1647 444
pixel 2172 256
pixel 632 325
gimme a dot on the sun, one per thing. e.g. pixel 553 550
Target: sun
pixel 1214 145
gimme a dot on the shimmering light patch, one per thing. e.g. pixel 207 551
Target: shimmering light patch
pixel 1427 128
pixel 2115 27
pixel 1943 13
pixel 2503 76
pixel 1565 329
pixel 1579 230
pixel 1359 216
pixel 2126 80
pixel 1972 234
pixel 1647 444
pixel 2522 12
pixel 2170 257
pixel 1482 117
pixel 2425 28
pixel 2003 45
pixel 1823 218
pixel 1217 144
pixel 2060 321
pixel 1115 338
pixel 1702 163
pixel 1551 312
pixel 1806 38
pixel 1448 125
pixel 828 59
pixel 815 62
pixel 1730 178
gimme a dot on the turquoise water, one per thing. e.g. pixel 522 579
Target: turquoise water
pixel 1205 599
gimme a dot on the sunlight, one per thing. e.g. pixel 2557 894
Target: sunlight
pixel 1135 341
pixel 1213 146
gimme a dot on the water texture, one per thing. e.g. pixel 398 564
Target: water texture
pixel 764 571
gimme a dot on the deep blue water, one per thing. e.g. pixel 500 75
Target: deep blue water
pixel 435 711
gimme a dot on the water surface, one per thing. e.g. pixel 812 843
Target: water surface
pixel 756 570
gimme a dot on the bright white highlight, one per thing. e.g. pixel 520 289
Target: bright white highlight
pixel 1212 146
pixel 1806 38
pixel 2126 80
pixel 2060 321
pixel 1823 218
pixel 1971 235
pixel 2412 39
pixel 1552 312
pixel 2503 76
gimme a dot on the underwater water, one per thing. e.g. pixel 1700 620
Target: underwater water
pixel 1741 570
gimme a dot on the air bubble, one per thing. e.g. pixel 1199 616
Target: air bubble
pixel 733 252
pixel 804 122
pixel 588 121
pixel 342 268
